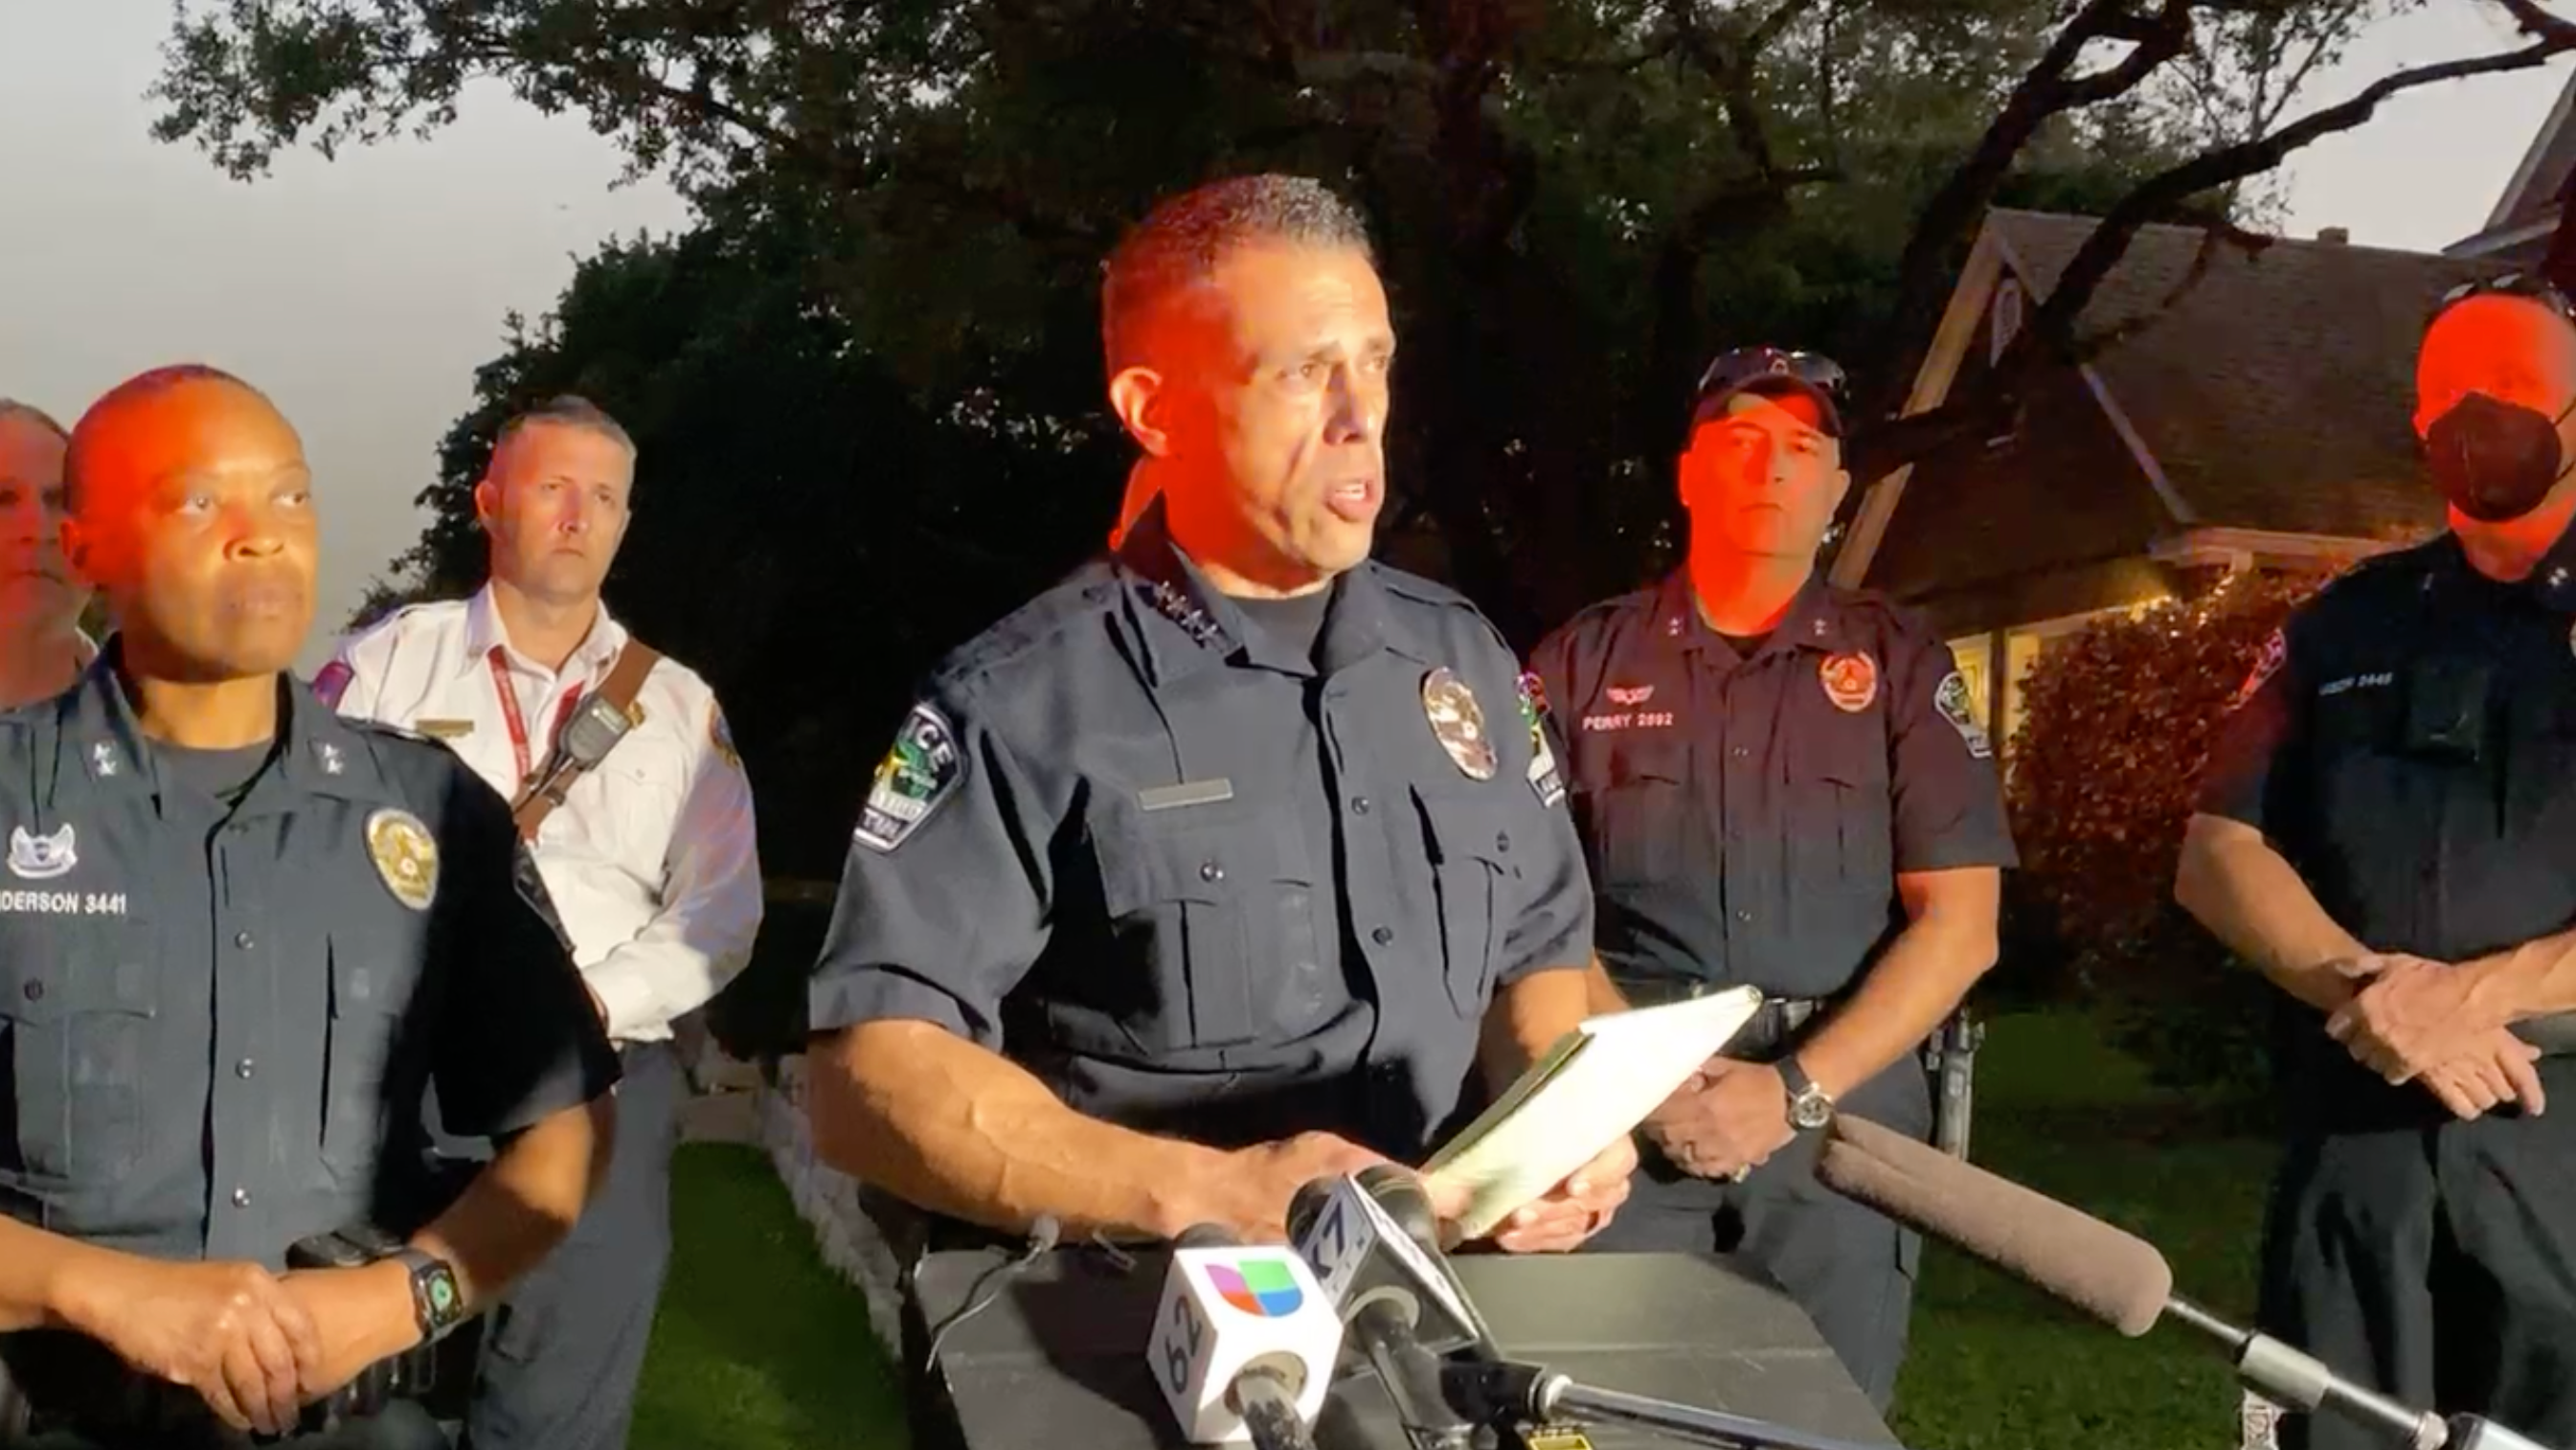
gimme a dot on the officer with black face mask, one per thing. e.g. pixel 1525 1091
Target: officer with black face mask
pixel 2388 831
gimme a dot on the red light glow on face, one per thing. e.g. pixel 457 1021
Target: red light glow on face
pixel 2512 349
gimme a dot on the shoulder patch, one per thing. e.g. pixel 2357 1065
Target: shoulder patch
pixel 2275 653
pixel 720 735
pixel 1952 701
pixel 332 681
pixel 921 770
pixel 1545 781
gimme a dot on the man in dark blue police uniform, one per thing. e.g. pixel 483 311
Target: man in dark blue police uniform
pixel 2388 832
pixel 1782 787
pixel 1203 874
pixel 238 936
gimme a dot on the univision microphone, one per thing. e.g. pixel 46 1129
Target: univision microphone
pixel 1399 1304
pixel 1244 1343
pixel 2110 1275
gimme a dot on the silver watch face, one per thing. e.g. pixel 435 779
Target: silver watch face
pixel 1811 1110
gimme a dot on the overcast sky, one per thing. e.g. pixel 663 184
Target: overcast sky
pixel 363 293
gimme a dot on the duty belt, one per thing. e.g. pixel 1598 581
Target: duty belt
pixel 1770 1030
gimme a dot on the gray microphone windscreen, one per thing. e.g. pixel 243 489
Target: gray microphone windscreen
pixel 1206 1236
pixel 2114 1276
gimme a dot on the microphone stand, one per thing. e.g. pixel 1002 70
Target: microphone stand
pixel 1506 1393
pixel 2302 1382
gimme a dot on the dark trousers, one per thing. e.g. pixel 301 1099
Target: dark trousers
pixel 563 1354
pixel 1850 1268
pixel 2434 1264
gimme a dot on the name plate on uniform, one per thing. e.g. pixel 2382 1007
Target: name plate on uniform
pixel 1187 793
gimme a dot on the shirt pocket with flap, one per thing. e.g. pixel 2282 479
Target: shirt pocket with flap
pixel 1212 923
pixel 375 973
pixel 1839 809
pixel 1474 868
pixel 79 992
pixel 1637 817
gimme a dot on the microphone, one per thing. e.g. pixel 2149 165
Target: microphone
pixel 2111 1275
pixel 1399 1306
pixel 1244 1343
pixel 1373 1242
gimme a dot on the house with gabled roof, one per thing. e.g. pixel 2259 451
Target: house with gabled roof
pixel 2254 412
pixel 2517 232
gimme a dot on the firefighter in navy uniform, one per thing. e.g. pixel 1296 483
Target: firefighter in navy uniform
pixel 1780 785
pixel 1202 875
pixel 238 936
pixel 2387 830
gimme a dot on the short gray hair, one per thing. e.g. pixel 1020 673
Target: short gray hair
pixel 12 408
pixel 1180 242
pixel 565 410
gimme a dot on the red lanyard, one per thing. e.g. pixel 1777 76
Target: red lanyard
pixel 518 723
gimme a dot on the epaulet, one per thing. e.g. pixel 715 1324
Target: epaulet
pixel 2378 575
pixel 1604 613
pixel 399 616
pixel 379 728
pixel 1420 590
pixel 1875 603
pixel 1087 593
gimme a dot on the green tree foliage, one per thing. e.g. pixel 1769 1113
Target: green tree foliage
pixel 867 381
pixel 2116 731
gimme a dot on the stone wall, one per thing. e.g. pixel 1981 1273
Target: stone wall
pixel 828 1200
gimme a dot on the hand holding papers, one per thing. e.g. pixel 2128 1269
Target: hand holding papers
pixel 1595 1084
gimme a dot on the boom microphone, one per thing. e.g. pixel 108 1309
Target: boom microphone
pixel 2114 1276
pixel 1244 1343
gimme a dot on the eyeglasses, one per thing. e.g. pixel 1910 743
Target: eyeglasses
pixel 1732 370
pixel 2512 284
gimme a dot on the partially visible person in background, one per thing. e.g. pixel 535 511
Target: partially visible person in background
pixel 2387 831
pixel 650 857
pixel 42 649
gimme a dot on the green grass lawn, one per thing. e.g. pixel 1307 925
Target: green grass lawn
pixel 1995 1366
pixel 760 1347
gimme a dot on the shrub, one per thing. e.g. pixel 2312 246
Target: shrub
pixel 2115 731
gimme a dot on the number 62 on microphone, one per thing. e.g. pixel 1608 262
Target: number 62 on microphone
pixel 1228 1310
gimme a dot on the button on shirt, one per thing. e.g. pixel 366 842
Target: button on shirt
pixel 651 859
pixel 2407 742
pixel 1201 882
pixel 1747 816
pixel 206 1010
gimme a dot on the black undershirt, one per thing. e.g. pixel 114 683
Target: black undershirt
pixel 225 775
pixel 1746 644
pixel 1295 624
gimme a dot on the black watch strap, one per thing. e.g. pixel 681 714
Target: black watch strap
pixel 437 1300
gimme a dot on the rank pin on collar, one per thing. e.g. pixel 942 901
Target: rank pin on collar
pixel 102 760
pixel 329 754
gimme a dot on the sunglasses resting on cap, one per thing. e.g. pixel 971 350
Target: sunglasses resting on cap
pixel 1769 371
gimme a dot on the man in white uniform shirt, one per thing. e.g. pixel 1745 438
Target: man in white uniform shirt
pixel 42 649
pixel 649 857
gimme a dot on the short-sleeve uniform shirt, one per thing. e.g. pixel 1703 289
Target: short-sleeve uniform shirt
pixel 2407 742
pixel 1747 814
pixel 1200 883
pixel 217 1018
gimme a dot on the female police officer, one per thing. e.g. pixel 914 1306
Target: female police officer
pixel 238 939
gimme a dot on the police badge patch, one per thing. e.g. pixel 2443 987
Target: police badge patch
pixel 1952 701
pixel 405 856
pixel 1544 781
pixel 1850 680
pixel 917 774
pixel 1458 723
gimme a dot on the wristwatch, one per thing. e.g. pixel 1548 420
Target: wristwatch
pixel 1810 1107
pixel 437 1300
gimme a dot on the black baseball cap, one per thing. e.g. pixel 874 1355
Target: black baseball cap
pixel 1772 372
